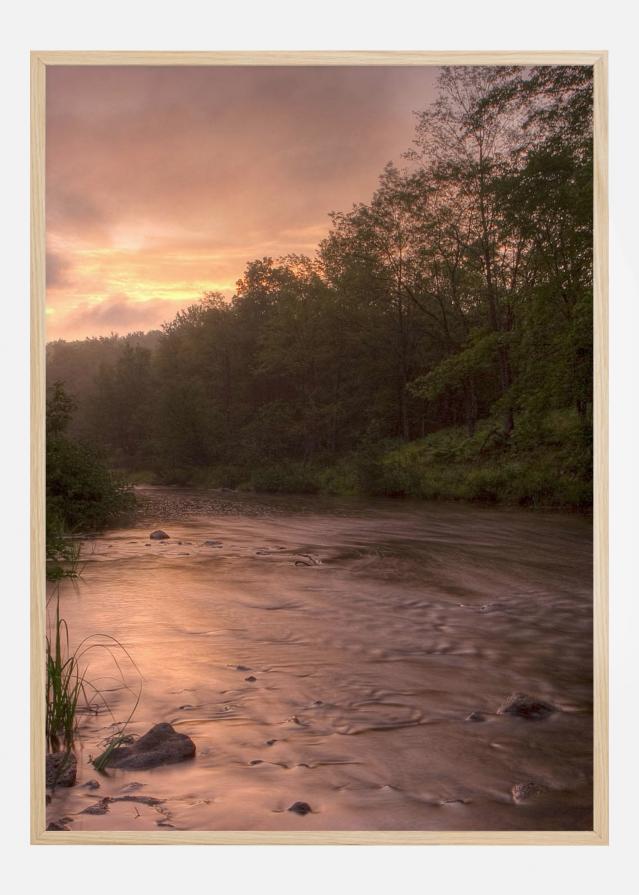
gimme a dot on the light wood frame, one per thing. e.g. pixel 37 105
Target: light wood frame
pixel 599 835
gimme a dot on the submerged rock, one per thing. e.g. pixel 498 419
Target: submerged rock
pixel 475 716
pixel 160 745
pixel 158 535
pixel 525 707
pixel 101 807
pixel 91 784
pixel 61 769
pixel 524 792
pixel 251 678
pixel 56 826
pixel 300 808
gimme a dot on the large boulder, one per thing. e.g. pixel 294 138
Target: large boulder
pixel 161 745
pixel 159 535
pixel 523 706
pixel 61 769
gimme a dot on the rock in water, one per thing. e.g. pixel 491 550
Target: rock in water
pixel 61 769
pixel 161 745
pixel 475 716
pixel 524 792
pixel 101 807
pixel 91 784
pixel 56 826
pixel 525 707
pixel 158 535
pixel 300 808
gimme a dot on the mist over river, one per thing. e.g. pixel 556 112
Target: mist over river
pixel 372 629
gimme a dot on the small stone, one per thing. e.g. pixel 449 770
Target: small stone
pixel 242 668
pixel 143 800
pixel 300 808
pixel 251 679
pixel 270 742
pixel 91 784
pixel 133 786
pixel 528 707
pixel 256 761
pixel 56 826
pixel 158 535
pixel 475 716
pixel 101 807
pixel 524 792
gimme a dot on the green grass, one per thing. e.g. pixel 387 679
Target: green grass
pixel 69 688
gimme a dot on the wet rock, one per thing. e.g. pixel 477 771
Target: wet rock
pixel 300 808
pixel 91 784
pixel 160 745
pixel 133 786
pixel 475 716
pixel 251 679
pixel 142 800
pixel 242 668
pixel 61 769
pixel 525 707
pixel 56 826
pixel 158 535
pixel 101 807
pixel 524 792
pixel 271 742
pixel 256 761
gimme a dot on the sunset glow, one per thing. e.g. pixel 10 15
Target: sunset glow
pixel 162 183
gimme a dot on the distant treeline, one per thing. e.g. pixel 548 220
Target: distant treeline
pixel 445 324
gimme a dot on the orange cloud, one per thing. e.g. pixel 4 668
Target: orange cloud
pixel 163 182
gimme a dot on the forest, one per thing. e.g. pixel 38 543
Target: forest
pixel 438 345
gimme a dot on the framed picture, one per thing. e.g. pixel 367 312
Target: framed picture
pixel 319 448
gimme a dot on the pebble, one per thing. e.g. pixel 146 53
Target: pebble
pixel 300 808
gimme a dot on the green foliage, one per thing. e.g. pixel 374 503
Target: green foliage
pixel 286 478
pixel 82 495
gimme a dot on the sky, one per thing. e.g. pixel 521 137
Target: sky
pixel 163 182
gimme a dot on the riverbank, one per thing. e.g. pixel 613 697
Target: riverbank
pixel 550 471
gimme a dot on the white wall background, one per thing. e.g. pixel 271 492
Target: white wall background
pixel 331 24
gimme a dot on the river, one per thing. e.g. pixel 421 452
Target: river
pixel 372 629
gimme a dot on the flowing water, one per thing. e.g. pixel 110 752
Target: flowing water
pixel 372 629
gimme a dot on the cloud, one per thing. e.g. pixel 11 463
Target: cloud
pixel 56 268
pixel 190 172
pixel 114 314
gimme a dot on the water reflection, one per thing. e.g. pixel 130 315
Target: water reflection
pixel 371 629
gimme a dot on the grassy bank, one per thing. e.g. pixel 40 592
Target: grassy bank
pixel 446 465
